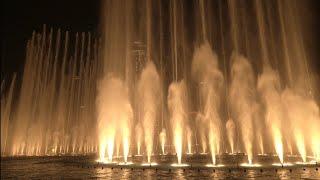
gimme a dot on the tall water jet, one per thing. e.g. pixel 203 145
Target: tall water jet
pixel 177 101
pixel 231 130
pixel 149 94
pixel 206 73
pixel 6 107
pixel 139 136
pixel 50 99
pixel 303 114
pixel 114 115
pixel 163 137
pixel 269 88
pixel 59 109
pixel 189 140
pixel 242 98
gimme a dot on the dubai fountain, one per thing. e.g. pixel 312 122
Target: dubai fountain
pixel 169 82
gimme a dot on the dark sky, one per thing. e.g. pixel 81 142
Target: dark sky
pixel 21 17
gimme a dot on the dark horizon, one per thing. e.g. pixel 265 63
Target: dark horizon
pixel 21 18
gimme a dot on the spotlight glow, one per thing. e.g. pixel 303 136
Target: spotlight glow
pixel 215 165
pixel 163 140
pixel 278 144
pixel 250 165
pixel 105 161
pixel 149 164
pixel 306 163
pixel 179 165
pixel 282 164
pixel 125 163
pixel 301 145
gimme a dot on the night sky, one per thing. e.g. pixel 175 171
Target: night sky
pixel 21 17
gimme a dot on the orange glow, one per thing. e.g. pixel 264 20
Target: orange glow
pixel 163 140
pixel 278 144
pixel 178 141
pixel 301 145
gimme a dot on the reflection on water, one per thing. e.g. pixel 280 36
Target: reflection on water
pixel 60 167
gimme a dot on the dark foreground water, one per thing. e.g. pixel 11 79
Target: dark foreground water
pixel 86 168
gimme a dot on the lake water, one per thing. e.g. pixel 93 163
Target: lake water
pixel 60 167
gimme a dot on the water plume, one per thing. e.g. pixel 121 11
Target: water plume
pixel 163 139
pixel 269 88
pixel 206 73
pixel 177 101
pixel 139 135
pixel 150 96
pixel 242 99
pixel 189 140
pixel 114 116
pixel 231 130
pixel 6 106
pixel 303 114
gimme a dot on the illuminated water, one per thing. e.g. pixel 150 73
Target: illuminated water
pixel 168 77
pixel 82 167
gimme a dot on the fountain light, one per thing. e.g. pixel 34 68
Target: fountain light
pixel 293 155
pixel 178 142
pixel 313 162
pixel 104 161
pixel 262 154
pixel 179 165
pixel 301 145
pixel 250 165
pixel 189 141
pixel 282 164
pixel 214 165
pixel 125 163
pixel 163 139
pixel 149 164
pixel 278 144
pixel 125 148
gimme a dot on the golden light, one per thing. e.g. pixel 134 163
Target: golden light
pixel 278 144
pixel 125 163
pixel 215 165
pixel 125 148
pixel 301 145
pixel 102 150
pixel 213 145
pixel 149 164
pixel 110 146
pixel 306 163
pixel 250 165
pixel 163 140
pixel 179 165
pixel 315 142
pixel 189 141
pixel 178 141
pixel 282 164
pixel 138 147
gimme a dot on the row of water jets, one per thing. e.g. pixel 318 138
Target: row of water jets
pixel 172 94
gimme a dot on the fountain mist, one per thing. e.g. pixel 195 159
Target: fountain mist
pixel 231 129
pixel 149 94
pixel 114 116
pixel 242 98
pixel 177 100
pixel 269 87
pixel 104 92
pixel 210 79
pixel 163 140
